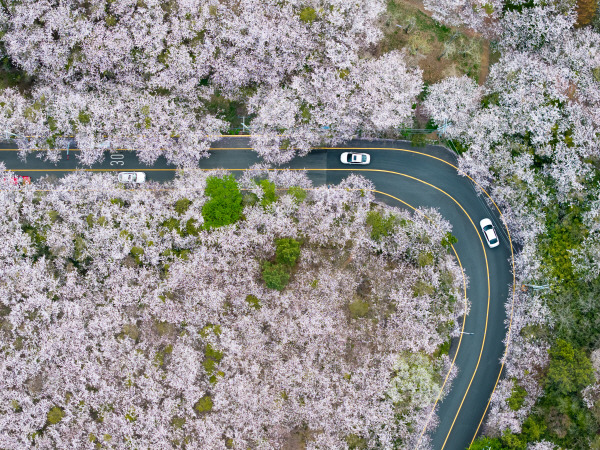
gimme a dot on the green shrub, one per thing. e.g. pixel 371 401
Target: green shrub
pixel 53 215
pixel 422 288
pixel 486 443
pixel 225 204
pixel 443 349
pixel 177 422
pixel 204 405
pixel 137 252
pixel 275 275
pixel 117 201
pixel 308 15
pixel 358 308
pixel 425 259
pixel 418 140
pixel 298 193
pixel 253 301
pixel 190 228
pixel 55 415
pixel 268 188
pixel 380 225
pixel 171 224
pixel 287 251
pixel 182 205
pixel 517 396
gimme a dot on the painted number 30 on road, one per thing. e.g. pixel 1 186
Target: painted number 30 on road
pixel 116 159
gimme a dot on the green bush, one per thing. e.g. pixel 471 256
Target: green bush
pixel 190 228
pixel 418 140
pixel 172 224
pixel 425 259
pixel 298 193
pixel 268 188
pixel 486 443
pixel 204 405
pixel 308 15
pixel 137 252
pixel 55 415
pixel 177 422
pixel 356 442
pixel 182 205
pixel 517 396
pixel 275 275
pixel 225 204
pixel 448 240
pixel 253 301
pixel 443 349
pixel 380 225
pixel 287 251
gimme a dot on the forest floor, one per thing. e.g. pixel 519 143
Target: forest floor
pixel 440 51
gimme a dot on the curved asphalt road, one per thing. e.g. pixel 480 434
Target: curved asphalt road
pixel 421 178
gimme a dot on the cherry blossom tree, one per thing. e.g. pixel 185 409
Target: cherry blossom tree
pixel 480 15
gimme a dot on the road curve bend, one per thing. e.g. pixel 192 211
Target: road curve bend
pixel 421 177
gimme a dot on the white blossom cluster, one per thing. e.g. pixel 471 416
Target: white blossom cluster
pixel 118 329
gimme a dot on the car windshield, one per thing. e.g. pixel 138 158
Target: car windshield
pixel 487 228
pixel 364 158
pixel 493 241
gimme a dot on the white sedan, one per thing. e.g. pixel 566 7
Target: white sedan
pixel 489 232
pixel 132 177
pixel 355 158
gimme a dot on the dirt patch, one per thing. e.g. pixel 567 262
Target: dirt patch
pixel 440 51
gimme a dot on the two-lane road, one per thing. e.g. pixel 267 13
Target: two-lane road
pixel 421 177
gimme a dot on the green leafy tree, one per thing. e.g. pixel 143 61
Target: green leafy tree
pixel 225 204
pixel 287 252
pixel 275 275
pixel 569 371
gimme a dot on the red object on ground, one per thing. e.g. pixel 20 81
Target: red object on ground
pixel 19 180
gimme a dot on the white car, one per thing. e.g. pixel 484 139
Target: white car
pixel 489 232
pixel 132 177
pixel 355 158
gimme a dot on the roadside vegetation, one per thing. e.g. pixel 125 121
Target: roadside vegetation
pixel 530 136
